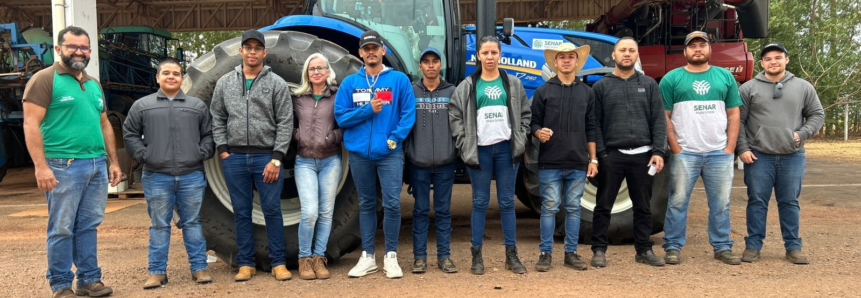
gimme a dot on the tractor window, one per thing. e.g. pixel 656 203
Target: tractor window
pixel 408 26
pixel 600 50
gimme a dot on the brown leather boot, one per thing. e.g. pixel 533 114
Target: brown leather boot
pixel 155 281
pixel 306 268
pixel 320 267
pixel 245 273
pixel 201 277
pixel 281 273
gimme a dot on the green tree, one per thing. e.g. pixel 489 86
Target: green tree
pixel 196 44
pixel 822 38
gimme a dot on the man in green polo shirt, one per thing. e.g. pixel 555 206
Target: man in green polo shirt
pixel 68 134
pixel 701 103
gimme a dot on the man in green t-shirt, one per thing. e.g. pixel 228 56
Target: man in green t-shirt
pixel 68 134
pixel 701 104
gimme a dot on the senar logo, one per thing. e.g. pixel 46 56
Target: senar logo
pixel 493 92
pixel 701 87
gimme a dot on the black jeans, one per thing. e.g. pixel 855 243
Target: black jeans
pixel 612 170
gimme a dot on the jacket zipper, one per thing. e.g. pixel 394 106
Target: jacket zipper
pixel 628 106
pixel 172 135
pixel 246 92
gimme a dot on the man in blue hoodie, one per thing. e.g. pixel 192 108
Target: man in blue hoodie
pixel 431 152
pixel 376 109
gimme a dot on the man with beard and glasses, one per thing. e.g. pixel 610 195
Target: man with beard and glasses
pixel 252 125
pixel 68 136
pixel 780 112
pixel 564 121
pixel 632 137
pixel 701 104
pixel 376 108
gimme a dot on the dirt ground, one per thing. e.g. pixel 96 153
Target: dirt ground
pixel 830 229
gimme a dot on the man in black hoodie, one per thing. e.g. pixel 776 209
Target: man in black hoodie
pixel 563 120
pixel 632 138
pixel 431 153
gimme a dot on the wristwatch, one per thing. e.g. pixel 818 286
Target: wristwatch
pixel 275 162
pixel 595 161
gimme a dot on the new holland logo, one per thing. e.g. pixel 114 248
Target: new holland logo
pixel 493 92
pixel 702 87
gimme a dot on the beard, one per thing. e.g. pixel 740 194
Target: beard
pixel 624 67
pixel 699 61
pixel 777 73
pixel 78 65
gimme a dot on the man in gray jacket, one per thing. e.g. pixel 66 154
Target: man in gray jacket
pixel 780 112
pixel 252 124
pixel 170 133
pixel 431 153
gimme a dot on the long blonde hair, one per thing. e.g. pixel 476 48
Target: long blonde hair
pixel 305 87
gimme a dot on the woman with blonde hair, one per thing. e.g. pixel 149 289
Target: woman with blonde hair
pixel 318 162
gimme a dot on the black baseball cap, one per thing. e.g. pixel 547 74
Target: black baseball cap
pixel 773 46
pixel 695 35
pixel 370 37
pixel 253 34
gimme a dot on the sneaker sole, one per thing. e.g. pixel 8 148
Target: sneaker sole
pixel 393 276
pixel 644 261
pixel 577 268
pixel 419 271
pixel 364 273
pixel 448 271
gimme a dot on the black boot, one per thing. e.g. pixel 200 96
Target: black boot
pixel 477 261
pixel 544 261
pixel 512 262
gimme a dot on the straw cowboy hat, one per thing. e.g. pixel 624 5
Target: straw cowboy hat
pixel 582 56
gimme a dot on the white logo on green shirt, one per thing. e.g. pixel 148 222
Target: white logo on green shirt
pixel 702 87
pixel 66 98
pixel 493 92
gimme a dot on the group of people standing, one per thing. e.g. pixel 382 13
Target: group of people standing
pixel 617 130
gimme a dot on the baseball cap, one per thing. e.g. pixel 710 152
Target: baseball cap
pixel 370 37
pixel 253 34
pixel 430 50
pixel 695 35
pixel 771 47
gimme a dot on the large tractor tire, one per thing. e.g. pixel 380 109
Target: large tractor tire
pixel 287 52
pixel 622 215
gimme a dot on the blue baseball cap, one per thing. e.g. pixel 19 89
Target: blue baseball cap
pixel 430 50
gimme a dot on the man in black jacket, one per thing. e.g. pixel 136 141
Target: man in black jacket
pixel 563 120
pixel 170 133
pixel 632 138
pixel 431 153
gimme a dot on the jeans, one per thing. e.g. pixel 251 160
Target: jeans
pixel 243 172
pixel 317 182
pixel 615 168
pixel 442 179
pixel 556 185
pixel 76 206
pixel 163 193
pixel 390 170
pixel 784 174
pixel 494 160
pixel 716 168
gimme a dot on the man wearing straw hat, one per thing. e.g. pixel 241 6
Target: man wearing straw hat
pixel 562 119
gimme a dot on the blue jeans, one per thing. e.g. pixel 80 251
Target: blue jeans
pixel 494 160
pixel 163 193
pixel 784 174
pixel 554 183
pixel 716 169
pixel 390 170
pixel 317 182
pixel 243 172
pixel 76 207
pixel 442 179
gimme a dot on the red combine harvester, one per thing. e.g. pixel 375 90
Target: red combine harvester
pixel 660 27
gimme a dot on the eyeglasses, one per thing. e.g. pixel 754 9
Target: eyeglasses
pixel 319 69
pixel 75 48
pixel 778 90
pixel 253 48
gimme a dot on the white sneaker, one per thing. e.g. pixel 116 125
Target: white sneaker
pixel 391 267
pixel 366 265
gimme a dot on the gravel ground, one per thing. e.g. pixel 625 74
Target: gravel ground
pixel 830 228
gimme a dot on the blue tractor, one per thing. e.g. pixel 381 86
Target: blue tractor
pixel 333 27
